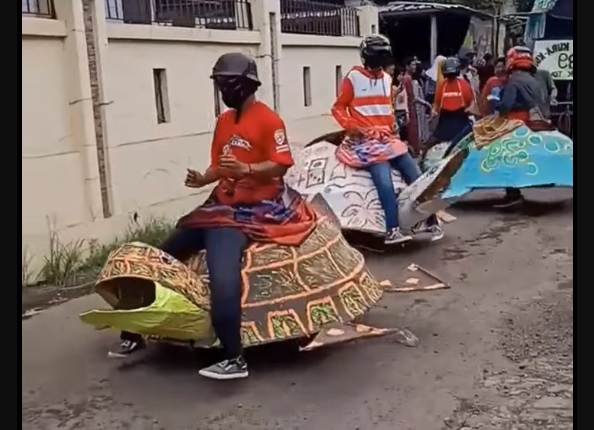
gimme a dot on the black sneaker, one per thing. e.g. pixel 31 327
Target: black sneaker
pixel 127 348
pixel 420 227
pixel 395 236
pixel 227 369
pixel 436 232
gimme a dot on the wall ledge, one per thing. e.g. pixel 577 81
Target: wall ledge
pixel 181 34
pixel 289 39
pixel 42 27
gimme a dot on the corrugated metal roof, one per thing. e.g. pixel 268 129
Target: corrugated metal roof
pixel 417 8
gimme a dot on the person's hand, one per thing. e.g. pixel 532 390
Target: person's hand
pixel 554 102
pixel 194 179
pixel 233 165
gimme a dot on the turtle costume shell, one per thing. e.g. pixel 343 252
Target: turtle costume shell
pixel 352 196
pixel 288 292
pixel 505 153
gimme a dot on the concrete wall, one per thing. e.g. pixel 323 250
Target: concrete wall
pixel 94 152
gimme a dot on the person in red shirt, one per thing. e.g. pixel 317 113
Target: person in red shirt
pixel 249 156
pixel 490 94
pixel 453 98
pixel 364 109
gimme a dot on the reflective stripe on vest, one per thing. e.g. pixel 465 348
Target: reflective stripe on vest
pixel 371 96
pixel 374 110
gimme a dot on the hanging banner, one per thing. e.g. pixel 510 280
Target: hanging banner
pixel 479 36
pixel 556 56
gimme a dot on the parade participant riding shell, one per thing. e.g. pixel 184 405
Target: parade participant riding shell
pixel 518 99
pixel 365 93
pixel 364 109
pixel 519 95
pixel 250 155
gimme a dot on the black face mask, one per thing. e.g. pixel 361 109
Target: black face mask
pixel 235 92
pixel 378 60
pixel 233 98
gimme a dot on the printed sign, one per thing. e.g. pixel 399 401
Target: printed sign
pixel 556 56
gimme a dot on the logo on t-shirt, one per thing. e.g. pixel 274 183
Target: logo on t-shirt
pixel 238 142
pixel 280 138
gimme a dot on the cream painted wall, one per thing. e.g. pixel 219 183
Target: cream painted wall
pixel 308 122
pixel 51 161
pixel 146 161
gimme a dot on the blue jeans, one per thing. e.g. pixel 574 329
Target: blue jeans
pixel 381 175
pixel 224 253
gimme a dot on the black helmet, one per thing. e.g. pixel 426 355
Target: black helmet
pixel 236 64
pixel 451 67
pixel 375 50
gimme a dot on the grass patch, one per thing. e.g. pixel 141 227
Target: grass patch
pixel 26 275
pixel 79 262
pixel 62 262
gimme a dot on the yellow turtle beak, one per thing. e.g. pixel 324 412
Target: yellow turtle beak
pixel 170 315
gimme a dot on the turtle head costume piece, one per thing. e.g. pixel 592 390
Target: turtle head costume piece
pixel 236 76
pixel 376 51
pixel 451 67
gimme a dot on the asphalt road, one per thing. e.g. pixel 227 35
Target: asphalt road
pixel 495 353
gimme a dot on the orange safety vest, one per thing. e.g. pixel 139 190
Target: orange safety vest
pixel 372 99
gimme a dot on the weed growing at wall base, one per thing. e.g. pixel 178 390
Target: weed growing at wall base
pixel 79 262
pixel 26 260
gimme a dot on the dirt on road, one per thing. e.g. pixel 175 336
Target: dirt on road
pixel 496 353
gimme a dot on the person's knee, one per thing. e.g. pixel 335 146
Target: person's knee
pixel 183 242
pixel 408 168
pixel 381 175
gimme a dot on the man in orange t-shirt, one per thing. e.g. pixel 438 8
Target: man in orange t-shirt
pixel 239 147
pixel 250 155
